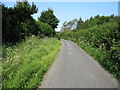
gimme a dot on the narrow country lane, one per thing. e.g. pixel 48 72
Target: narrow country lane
pixel 76 69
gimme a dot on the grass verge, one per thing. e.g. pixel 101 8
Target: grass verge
pixel 24 65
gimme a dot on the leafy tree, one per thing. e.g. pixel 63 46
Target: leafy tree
pixel 46 30
pixel 79 23
pixel 70 25
pixel 49 18
pixel 96 20
pixel 17 21
pixel 24 10
pixel 9 31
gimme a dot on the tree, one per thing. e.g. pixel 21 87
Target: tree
pixel 46 29
pixel 79 23
pixel 70 25
pixel 24 10
pixel 49 18
pixel 18 22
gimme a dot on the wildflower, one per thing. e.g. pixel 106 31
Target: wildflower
pixel 17 56
pixel 25 47
pixel 7 49
pixel 8 57
pixel 16 49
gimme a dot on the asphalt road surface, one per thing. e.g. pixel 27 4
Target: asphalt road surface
pixel 73 68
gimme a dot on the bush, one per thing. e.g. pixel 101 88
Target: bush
pixel 46 29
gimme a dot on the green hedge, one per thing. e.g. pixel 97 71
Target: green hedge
pixel 46 29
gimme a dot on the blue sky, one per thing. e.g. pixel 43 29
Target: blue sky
pixel 66 11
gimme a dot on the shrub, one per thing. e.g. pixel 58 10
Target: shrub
pixel 46 29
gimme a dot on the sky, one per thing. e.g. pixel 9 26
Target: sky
pixel 66 11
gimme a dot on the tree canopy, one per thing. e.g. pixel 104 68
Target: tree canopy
pixel 49 18
pixel 70 25
pixel 18 22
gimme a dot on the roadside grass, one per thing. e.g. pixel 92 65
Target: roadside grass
pixel 25 64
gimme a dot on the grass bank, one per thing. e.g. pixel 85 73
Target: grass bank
pixel 25 64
